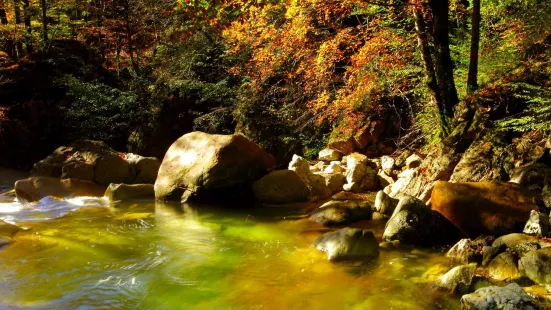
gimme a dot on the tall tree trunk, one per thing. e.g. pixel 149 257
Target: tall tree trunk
pixel 443 62
pixel 44 24
pixel 472 79
pixel 28 28
pixel 9 47
pixel 423 43
pixel 129 39
pixel 17 14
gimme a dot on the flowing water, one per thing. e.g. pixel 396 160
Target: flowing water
pixel 84 254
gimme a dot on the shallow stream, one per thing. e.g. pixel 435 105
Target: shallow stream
pixel 83 254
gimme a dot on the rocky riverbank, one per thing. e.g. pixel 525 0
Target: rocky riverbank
pixel 498 231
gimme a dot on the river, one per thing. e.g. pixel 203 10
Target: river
pixel 86 254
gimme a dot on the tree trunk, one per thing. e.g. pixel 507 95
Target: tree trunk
pixel 9 46
pixel 472 79
pixel 129 40
pixel 443 61
pixel 28 28
pixel 44 24
pixel 423 43
pixel 17 14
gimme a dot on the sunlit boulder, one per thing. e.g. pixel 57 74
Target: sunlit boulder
pixel 511 297
pixel 205 166
pixel 478 208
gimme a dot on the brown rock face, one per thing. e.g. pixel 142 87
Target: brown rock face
pixel 211 166
pixel 478 208
pixel 36 188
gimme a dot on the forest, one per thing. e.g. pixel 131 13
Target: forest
pixel 316 154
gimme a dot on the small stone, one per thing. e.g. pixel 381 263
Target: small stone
pixel 385 204
pixel 413 161
pixel 334 167
pixel 537 225
pixel 458 279
pixel 387 164
pixel 117 192
pixel 462 252
pixel 329 155
pixel 348 244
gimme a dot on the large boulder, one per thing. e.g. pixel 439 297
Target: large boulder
pixel 341 212
pixel 281 186
pixel 205 166
pixel 536 265
pixel 510 297
pixel 414 223
pixel 504 267
pixel 348 244
pixel 359 176
pixel 95 161
pixel 36 188
pixel 483 207
pixel 117 192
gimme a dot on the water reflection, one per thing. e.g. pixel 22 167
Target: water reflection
pixel 171 256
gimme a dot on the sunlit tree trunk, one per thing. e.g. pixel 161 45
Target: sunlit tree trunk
pixel 129 39
pixel 17 15
pixel 472 80
pixel 443 62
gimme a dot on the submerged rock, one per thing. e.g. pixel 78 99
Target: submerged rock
pixel 116 192
pixel 36 188
pixel 536 265
pixel 537 225
pixel 211 166
pixel 281 186
pixel 458 279
pixel 510 297
pixel 7 230
pixel 341 212
pixel 483 207
pixel 413 223
pixel 348 244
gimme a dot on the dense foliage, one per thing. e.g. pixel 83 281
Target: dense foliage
pixel 286 73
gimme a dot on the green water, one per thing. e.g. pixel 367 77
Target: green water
pixel 158 256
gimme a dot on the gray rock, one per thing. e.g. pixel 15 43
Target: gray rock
pixel 146 168
pixel 315 183
pixel 463 252
pixel 281 186
pixel 510 297
pixel 348 244
pixel 458 279
pixel 111 168
pixel 341 212
pixel 413 223
pixel 536 265
pixel 387 164
pixel 118 192
pixel 334 182
pixel 385 204
pixel 330 155
pixel 537 225
pixel 413 161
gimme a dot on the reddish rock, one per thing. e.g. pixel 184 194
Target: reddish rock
pixel 478 208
